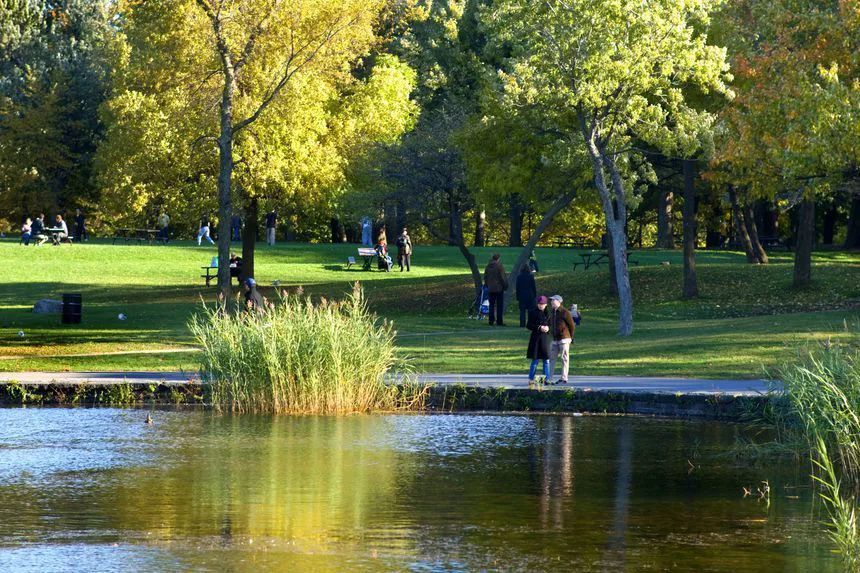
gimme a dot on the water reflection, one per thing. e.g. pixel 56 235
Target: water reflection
pixel 198 491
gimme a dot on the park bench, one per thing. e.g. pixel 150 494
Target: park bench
pixel 212 274
pixel 139 235
pixel 772 243
pixel 571 241
pixel 366 253
pixel 597 259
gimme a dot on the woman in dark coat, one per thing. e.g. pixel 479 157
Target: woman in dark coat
pixel 540 340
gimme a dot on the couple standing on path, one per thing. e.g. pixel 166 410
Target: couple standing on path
pixel 552 329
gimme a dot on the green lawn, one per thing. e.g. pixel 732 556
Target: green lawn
pixel 747 318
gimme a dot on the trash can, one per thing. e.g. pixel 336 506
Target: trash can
pixel 72 307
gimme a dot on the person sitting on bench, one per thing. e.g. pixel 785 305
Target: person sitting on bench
pixel 58 237
pixel 235 266
pixel 37 232
pixel 26 231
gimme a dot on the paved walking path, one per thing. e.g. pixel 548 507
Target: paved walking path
pixel 631 384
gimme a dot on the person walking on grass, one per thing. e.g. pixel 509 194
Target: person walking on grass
pixel 497 283
pixel 562 328
pixel 540 340
pixel 404 250
pixel 204 231
pixel 526 293
pixel 80 227
pixel 253 299
pixel 236 227
pixel 271 225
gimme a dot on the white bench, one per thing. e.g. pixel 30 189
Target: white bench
pixel 366 253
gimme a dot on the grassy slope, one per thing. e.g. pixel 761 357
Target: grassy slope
pixel 744 319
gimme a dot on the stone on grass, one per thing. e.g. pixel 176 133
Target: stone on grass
pixel 48 306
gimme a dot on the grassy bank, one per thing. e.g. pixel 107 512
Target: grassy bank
pixel 745 318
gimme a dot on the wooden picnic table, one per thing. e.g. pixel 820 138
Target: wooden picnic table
pixel 55 235
pixel 597 258
pixel 139 235
pixel 212 273
pixel 572 241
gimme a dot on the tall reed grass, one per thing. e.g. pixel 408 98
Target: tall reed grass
pixel 296 356
pixel 822 389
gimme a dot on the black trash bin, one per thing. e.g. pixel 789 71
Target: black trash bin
pixel 72 307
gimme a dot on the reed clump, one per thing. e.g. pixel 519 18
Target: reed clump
pixel 300 357
pixel 822 389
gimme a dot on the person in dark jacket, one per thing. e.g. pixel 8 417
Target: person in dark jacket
pixel 271 225
pixel 80 226
pixel 253 299
pixel 540 339
pixel 526 293
pixel 497 283
pixel 404 251
pixel 562 328
pixel 37 233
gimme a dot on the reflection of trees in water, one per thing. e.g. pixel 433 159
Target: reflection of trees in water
pixel 556 481
pixel 277 478
pixel 616 548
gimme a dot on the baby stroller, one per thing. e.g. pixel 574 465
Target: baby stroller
pixel 480 308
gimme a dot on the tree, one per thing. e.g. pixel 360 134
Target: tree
pixel 52 79
pixel 275 41
pixel 606 74
pixel 792 133
pixel 164 140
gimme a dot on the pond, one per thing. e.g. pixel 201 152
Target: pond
pixel 98 490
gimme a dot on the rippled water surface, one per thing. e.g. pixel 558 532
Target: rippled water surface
pixel 98 490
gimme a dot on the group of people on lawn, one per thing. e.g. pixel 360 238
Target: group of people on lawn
pixel 38 232
pixel 404 251
pixel 552 327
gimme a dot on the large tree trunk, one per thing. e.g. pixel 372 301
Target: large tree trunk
pixel 852 237
pixel 805 243
pixel 455 228
pixel 225 176
pixel 615 211
pixel 741 227
pixel 752 229
pixel 690 287
pixel 477 279
pixel 665 226
pixel 828 230
pixel 338 231
pixel 523 258
pixel 516 214
pixel 613 279
pixel 249 237
pixel 480 227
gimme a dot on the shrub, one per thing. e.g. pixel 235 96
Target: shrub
pixel 299 357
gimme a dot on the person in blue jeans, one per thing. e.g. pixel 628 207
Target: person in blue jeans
pixel 540 340
pixel 203 233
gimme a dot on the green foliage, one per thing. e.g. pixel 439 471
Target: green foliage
pixel 843 526
pixel 300 357
pixel 823 388
pixel 794 125
pixel 52 79
pixel 163 117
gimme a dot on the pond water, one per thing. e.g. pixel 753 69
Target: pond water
pixel 99 490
